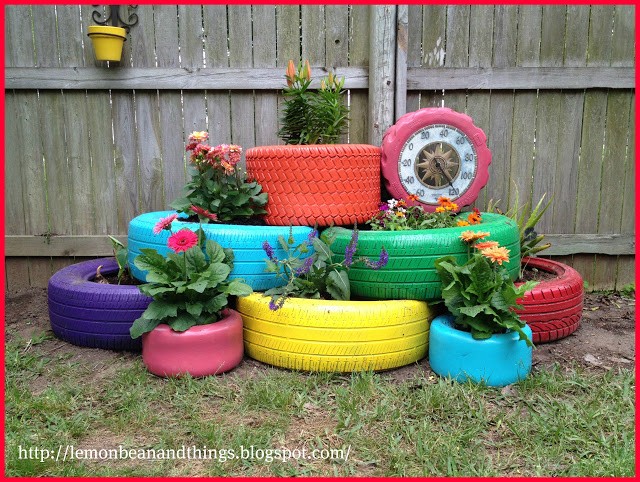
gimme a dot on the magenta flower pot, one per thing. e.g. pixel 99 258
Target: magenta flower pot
pixel 199 351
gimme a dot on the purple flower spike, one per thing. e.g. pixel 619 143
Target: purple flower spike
pixel 312 234
pixel 304 269
pixel 269 250
pixel 382 260
pixel 276 305
pixel 350 250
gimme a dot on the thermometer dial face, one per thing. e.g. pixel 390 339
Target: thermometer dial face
pixel 435 152
pixel 438 160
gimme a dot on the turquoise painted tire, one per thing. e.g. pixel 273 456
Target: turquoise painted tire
pixel 246 242
pixel 498 361
pixel 410 272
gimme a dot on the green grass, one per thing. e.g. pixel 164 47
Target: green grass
pixel 559 422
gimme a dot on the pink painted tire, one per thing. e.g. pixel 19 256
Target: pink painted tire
pixel 200 351
pixel 398 134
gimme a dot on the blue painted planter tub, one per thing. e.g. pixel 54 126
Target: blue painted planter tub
pixel 246 242
pixel 498 361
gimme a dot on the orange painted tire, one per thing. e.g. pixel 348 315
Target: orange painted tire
pixel 324 184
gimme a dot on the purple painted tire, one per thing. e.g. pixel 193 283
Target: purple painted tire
pixel 91 314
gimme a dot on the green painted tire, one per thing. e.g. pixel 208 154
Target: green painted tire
pixel 410 272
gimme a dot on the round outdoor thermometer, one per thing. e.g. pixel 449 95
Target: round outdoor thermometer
pixel 435 152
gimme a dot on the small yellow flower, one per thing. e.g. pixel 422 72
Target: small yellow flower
pixel 470 236
pixel 462 222
pixel 198 136
pixel 496 254
pixel 440 209
pixel 400 214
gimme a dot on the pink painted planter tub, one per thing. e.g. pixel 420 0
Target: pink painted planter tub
pixel 199 351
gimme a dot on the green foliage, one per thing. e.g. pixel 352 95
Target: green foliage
pixel 218 186
pixel 312 117
pixel 313 276
pixel 120 252
pixel 188 288
pixel 229 197
pixel 629 290
pixel 481 296
pixel 526 218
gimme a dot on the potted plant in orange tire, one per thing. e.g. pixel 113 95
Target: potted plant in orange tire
pixel 187 328
pixel 312 324
pixel 482 339
pixel 314 180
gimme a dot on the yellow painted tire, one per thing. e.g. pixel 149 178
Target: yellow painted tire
pixel 335 336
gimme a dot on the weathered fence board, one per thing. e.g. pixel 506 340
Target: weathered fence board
pixel 359 41
pixel 264 56
pixel 217 104
pixel 551 86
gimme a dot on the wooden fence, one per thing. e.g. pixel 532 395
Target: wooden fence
pixel 90 146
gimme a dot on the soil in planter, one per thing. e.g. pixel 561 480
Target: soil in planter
pixel 238 222
pixel 112 279
pixel 535 274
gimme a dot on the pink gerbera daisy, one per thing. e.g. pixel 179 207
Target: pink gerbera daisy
pixel 164 223
pixel 182 240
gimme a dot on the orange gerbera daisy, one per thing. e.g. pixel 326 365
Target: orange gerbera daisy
pixel 486 245
pixel 496 254
pixel 474 217
pixel 471 236
pixel 444 200
pixel 462 222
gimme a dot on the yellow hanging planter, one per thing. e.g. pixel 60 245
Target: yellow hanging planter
pixel 107 41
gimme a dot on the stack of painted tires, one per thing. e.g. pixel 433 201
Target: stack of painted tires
pixel 326 185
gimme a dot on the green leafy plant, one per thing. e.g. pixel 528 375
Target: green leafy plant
pixel 479 293
pixel 400 215
pixel 190 286
pixel 218 189
pixel 120 252
pixel 315 275
pixel 526 218
pixel 312 117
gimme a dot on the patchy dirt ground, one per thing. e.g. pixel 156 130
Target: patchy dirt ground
pixel 605 339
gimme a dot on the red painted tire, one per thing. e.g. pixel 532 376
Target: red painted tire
pixel 323 184
pixel 200 351
pixel 553 308
pixel 398 134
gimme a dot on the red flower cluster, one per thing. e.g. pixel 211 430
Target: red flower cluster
pixel 223 157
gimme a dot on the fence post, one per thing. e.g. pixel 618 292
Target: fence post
pixel 402 43
pixel 382 76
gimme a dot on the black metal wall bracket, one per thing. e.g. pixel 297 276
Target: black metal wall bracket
pixel 114 16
